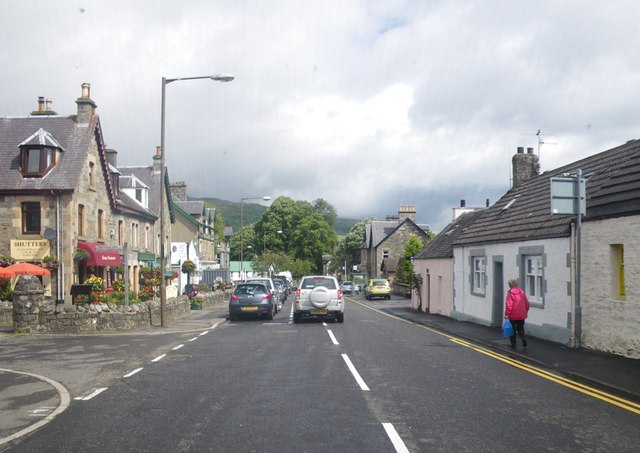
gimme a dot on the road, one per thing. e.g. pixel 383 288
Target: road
pixel 374 383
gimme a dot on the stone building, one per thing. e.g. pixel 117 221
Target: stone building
pixel 58 194
pixel 383 246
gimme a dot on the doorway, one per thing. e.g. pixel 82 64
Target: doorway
pixel 498 293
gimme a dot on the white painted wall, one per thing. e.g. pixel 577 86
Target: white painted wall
pixel 610 323
pixel 548 321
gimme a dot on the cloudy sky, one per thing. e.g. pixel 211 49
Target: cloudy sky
pixel 368 104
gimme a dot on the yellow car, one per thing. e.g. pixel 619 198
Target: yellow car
pixel 378 287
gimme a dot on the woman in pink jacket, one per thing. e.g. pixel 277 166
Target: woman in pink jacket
pixel 516 309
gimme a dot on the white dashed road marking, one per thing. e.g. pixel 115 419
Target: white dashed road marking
pixel 395 438
pixel 333 338
pixel 177 347
pixel 96 392
pixel 137 370
pixel 160 357
pixel 355 373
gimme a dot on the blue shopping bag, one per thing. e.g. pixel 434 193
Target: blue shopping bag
pixel 507 328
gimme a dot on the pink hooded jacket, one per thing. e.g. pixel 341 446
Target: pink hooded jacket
pixel 517 304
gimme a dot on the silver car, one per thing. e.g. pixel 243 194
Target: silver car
pixel 319 296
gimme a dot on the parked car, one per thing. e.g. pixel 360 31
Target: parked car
pixel 284 281
pixel 252 299
pixel 318 297
pixel 272 287
pixel 378 287
pixel 346 287
pixel 282 291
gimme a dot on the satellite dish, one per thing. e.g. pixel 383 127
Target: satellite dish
pixel 50 234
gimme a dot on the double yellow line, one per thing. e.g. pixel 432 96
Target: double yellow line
pixel 573 385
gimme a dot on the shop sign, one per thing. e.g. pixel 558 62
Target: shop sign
pixel 29 250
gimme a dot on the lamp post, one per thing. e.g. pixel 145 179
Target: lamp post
pixel 163 264
pixel 266 198
pixel 264 239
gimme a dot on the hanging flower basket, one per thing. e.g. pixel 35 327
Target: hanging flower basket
pixel 49 262
pixel 188 266
pixel 80 255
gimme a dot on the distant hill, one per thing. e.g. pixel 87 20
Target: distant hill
pixel 252 212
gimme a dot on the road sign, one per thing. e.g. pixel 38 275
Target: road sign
pixel 568 195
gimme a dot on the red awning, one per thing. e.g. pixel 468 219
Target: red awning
pixel 99 257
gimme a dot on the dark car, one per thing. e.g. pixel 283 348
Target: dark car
pixel 252 299
pixel 282 290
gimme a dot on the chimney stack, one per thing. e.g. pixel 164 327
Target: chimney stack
pixel 156 160
pixel 406 212
pixel 525 166
pixel 44 107
pixel 112 157
pixel 86 107
pixel 179 191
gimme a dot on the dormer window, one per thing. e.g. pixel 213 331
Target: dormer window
pixel 37 161
pixel 39 153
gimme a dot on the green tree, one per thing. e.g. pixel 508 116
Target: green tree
pixel 348 248
pixel 312 238
pixel 405 273
pixel 248 238
pixel 218 225
pixel 273 262
pixel 326 210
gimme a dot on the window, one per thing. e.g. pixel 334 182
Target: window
pixel 533 277
pixel 478 264
pixel 385 253
pixel 30 217
pixel 120 232
pixel 92 175
pixel 139 195
pixel 146 237
pixel 37 161
pixel 100 224
pixel 80 220
pixel 134 235
pixel 617 255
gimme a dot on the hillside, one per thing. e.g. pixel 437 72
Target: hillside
pixel 252 212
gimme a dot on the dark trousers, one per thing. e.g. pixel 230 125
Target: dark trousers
pixel 518 328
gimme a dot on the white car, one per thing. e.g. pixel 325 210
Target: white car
pixel 318 296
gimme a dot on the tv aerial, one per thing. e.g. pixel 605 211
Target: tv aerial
pixel 538 133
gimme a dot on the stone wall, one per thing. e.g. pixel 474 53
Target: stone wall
pixel 34 314
pixel 6 314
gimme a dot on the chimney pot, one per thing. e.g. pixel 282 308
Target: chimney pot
pixel 158 150
pixel 520 149
pixel 529 150
pixel 487 203
pixel 86 89
pixel 463 203
pixel 40 103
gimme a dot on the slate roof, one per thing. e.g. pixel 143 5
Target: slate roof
pixel 524 213
pixel 194 208
pixel 75 140
pixel 152 180
pixel 441 245
pixel 378 230
pixel 620 195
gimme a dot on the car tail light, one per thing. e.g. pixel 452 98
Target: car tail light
pixel 234 297
pixel 339 296
pixel 266 296
pixel 297 296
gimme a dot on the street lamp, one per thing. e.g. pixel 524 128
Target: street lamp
pixel 163 284
pixel 264 239
pixel 266 198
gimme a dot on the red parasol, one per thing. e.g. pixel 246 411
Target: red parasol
pixel 28 269
pixel 5 273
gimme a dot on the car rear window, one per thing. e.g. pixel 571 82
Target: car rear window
pixel 251 289
pixel 310 283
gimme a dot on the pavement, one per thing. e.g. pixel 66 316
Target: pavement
pixel 27 400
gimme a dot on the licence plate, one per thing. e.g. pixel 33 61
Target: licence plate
pixel 249 308
pixel 319 312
